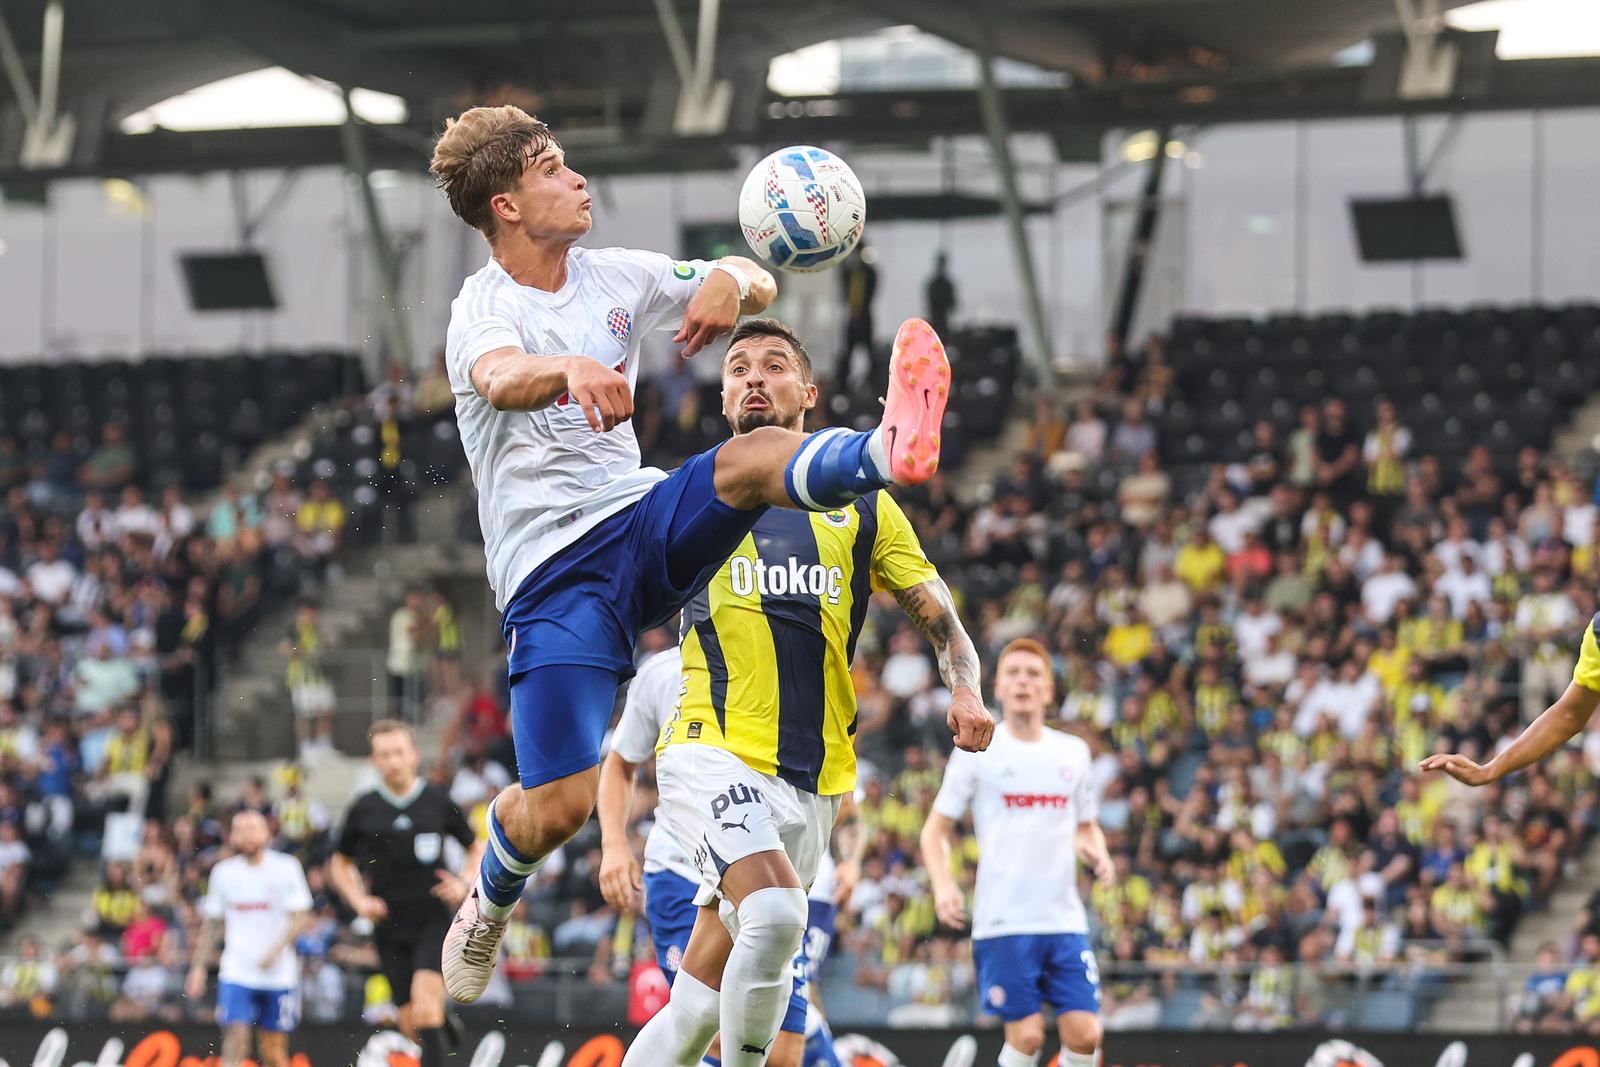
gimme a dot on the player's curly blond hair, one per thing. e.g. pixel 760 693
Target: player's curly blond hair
pixel 483 152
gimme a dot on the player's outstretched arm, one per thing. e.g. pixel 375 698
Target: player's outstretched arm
pixel 513 380
pixel 932 609
pixel 938 833
pixel 619 870
pixel 1559 724
pixel 717 305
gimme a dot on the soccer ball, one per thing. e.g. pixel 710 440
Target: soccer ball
pixel 802 209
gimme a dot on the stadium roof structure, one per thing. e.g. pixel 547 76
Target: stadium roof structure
pixel 610 72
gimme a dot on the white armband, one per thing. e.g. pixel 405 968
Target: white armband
pixel 739 277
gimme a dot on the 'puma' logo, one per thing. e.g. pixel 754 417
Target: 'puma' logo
pixel 740 825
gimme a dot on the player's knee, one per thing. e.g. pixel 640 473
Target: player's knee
pixel 774 920
pixel 746 464
pixel 1080 1032
pixel 1027 1038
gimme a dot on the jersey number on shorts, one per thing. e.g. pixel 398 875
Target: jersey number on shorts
pixel 1091 969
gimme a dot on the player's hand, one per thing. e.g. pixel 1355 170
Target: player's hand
pixel 269 959
pixel 950 906
pixel 1459 767
pixel 619 878
pixel 969 720
pixel 711 313
pixel 194 987
pixel 600 393
pixel 845 878
pixel 449 889
pixel 372 909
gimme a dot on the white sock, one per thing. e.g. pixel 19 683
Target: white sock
pixel 877 454
pixel 680 1033
pixel 1013 1057
pixel 1079 1059
pixel 772 923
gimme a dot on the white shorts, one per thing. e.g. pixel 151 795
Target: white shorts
pixel 722 811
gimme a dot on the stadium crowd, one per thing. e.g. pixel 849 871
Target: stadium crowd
pixel 116 611
pixel 1258 654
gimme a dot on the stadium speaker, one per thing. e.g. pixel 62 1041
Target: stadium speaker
pixel 1406 229
pixel 230 281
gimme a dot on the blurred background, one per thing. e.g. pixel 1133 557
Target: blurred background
pixel 1276 329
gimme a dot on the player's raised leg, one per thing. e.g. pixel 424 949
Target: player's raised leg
pixel 558 714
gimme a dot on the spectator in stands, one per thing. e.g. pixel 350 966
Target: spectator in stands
pixel 112 465
pixel 103 680
pixel 310 691
pixel 49 576
pixel 1338 453
pixel 444 669
pixel 408 638
pixel 1086 437
pixel 232 514
pixel 238 589
pixel 1539 1007
pixel 395 393
pixel 1545 621
pixel 321 521
pixel 1133 438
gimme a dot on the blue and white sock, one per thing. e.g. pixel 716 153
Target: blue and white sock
pixel 1012 1057
pixel 503 873
pixel 1079 1059
pixel 835 466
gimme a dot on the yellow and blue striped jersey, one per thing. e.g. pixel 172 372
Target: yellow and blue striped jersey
pixel 1587 672
pixel 767 643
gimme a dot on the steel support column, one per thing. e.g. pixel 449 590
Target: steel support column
pixel 994 125
pixel 1144 228
pixel 392 325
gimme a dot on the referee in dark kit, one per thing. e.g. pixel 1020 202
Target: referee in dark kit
pixel 390 867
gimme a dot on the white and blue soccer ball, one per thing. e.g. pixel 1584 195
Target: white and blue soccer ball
pixel 802 209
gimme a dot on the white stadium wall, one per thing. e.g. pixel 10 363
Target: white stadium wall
pixel 1260 223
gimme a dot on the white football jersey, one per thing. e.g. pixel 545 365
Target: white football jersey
pixel 652 698
pixel 1027 800
pixel 545 477
pixel 257 903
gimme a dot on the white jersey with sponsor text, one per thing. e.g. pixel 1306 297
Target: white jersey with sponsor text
pixel 257 903
pixel 1027 800
pixel 545 477
pixel 651 700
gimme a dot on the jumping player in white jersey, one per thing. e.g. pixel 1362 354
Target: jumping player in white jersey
pixel 1035 809
pixel 670 880
pixel 262 901
pixel 586 548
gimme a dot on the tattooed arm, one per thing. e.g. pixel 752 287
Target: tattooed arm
pixel 932 610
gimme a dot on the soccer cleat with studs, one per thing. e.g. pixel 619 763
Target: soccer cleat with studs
pixel 913 409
